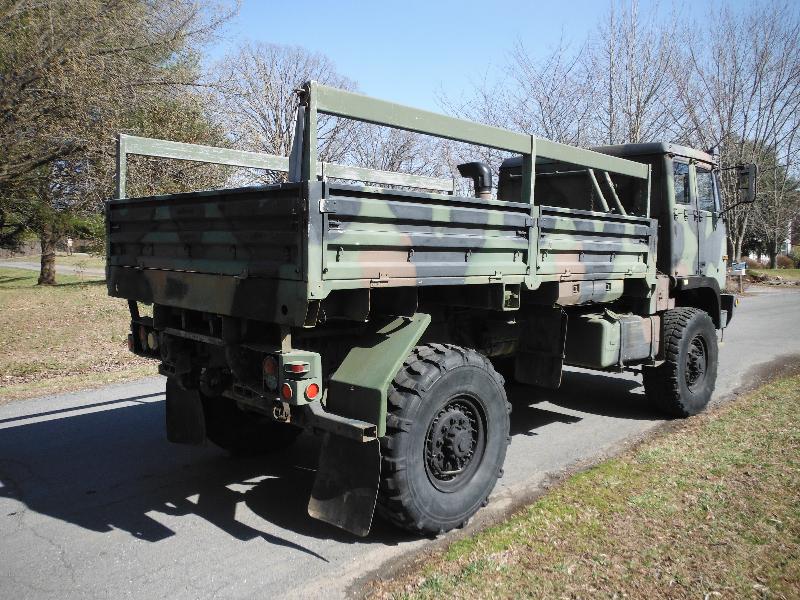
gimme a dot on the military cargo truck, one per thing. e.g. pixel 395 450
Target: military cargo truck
pixel 377 310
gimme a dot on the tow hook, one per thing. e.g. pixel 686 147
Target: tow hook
pixel 281 412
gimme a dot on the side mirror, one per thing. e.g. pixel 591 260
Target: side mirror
pixel 746 176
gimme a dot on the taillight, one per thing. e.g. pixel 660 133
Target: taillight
pixel 286 391
pixel 270 369
pixel 297 368
pixel 312 391
pixel 143 337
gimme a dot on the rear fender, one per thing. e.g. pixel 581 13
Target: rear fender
pixel 348 475
pixel 359 387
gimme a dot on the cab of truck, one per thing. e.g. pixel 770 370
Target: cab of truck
pixel 684 197
pixel 692 236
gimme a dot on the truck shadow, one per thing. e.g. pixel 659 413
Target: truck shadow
pixel 591 393
pixel 113 470
pixel 107 466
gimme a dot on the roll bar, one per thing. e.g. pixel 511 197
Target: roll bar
pixel 303 164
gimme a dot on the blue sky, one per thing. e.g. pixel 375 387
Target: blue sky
pixel 409 51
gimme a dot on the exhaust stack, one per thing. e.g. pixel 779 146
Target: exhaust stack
pixel 481 176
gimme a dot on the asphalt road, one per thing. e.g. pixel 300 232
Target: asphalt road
pixel 94 503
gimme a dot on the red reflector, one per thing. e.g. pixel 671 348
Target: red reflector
pixel 286 391
pixel 270 365
pixel 299 368
pixel 312 391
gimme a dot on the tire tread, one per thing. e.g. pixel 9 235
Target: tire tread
pixel 662 384
pixel 420 370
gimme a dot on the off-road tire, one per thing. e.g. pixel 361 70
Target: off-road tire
pixel 676 387
pixel 244 433
pixel 442 393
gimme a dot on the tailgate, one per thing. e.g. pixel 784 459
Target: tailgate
pixel 250 232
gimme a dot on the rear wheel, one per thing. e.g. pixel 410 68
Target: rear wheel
pixel 683 384
pixel 447 431
pixel 244 433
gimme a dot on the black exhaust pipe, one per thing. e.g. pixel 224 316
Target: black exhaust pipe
pixel 481 176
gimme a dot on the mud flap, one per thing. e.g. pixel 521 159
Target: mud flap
pixel 346 487
pixel 186 422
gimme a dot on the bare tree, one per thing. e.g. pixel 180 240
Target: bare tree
pixel 614 88
pixel 778 202
pixel 254 102
pixel 390 149
pixel 552 97
pixel 739 85
pixel 629 67
pixel 491 102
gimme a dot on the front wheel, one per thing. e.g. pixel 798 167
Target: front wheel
pixel 447 431
pixel 682 385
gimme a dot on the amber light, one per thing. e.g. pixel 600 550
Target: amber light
pixel 312 391
pixel 286 391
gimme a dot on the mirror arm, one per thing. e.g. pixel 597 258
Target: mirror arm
pixel 734 205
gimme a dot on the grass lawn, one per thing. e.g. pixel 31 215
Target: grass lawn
pixel 61 338
pixel 77 259
pixel 711 510
pixel 793 274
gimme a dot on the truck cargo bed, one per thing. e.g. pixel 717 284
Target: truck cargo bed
pixel 266 252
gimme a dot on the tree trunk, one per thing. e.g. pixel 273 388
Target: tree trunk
pixel 737 241
pixel 47 272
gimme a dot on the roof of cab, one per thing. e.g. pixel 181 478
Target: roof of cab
pixel 630 150
pixel 623 150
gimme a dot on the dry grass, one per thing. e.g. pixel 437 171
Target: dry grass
pixel 709 511
pixel 790 274
pixel 61 338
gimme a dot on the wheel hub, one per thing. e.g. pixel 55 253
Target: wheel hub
pixel 452 441
pixel 696 363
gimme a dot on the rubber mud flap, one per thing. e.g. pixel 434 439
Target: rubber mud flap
pixel 184 411
pixel 346 487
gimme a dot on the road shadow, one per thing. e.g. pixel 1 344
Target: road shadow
pixel 594 393
pixel 605 395
pixel 114 470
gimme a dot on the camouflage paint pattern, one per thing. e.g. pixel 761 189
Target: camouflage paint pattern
pixel 307 239
pixel 285 254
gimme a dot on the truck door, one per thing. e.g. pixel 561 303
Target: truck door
pixel 684 226
pixel 711 243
